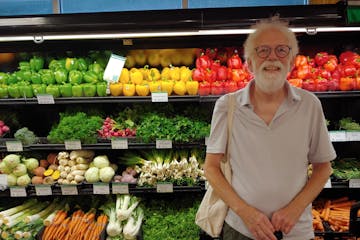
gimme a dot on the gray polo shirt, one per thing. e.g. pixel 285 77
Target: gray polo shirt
pixel 269 162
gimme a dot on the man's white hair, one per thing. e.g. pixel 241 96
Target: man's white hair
pixel 266 24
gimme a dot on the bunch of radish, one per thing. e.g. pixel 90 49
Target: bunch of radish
pixel 3 128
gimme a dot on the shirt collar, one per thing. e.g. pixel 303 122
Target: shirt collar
pixel 292 94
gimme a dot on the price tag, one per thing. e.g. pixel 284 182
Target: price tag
pixel 43 190
pixel 127 42
pixel 69 190
pixel 354 183
pixel 161 144
pixel 120 188
pixel 338 136
pixel 113 68
pixel 159 97
pixel 72 144
pixel 18 192
pixel 14 146
pixel 328 184
pixel 45 99
pixel 164 188
pixel 101 188
pixel 3 179
pixel 353 135
pixel 119 143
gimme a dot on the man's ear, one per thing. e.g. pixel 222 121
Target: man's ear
pixel 250 64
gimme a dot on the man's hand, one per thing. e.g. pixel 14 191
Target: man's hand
pixel 258 224
pixel 285 219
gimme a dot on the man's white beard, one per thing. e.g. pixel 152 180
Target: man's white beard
pixel 271 81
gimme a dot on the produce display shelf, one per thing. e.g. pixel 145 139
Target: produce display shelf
pixel 88 189
pixel 144 99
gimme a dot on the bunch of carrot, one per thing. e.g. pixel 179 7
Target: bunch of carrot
pixel 336 212
pixel 78 226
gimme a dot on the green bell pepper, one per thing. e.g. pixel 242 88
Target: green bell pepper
pixel 90 77
pixel 56 64
pixel 12 79
pixel 24 66
pixel 75 77
pixel 3 77
pixel 101 89
pixel 4 91
pixel 36 63
pixel 82 64
pixel 23 75
pixel 89 90
pixel 66 90
pixel 71 64
pixel 53 90
pixel 96 67
pixel 47 76
pixel 14 91
pixel 35 78
pixel 26 90
pixel 61 76
pixel 39 89
pixel 77 91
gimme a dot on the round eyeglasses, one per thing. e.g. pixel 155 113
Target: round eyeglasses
pixel 264 51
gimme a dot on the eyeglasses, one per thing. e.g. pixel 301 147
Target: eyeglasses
pixel 264 51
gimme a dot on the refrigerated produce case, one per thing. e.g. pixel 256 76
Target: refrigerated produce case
pixel 318 28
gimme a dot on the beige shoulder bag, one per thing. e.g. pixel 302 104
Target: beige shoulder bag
pixel 212 210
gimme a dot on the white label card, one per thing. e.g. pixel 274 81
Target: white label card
pixel 353 135
pixel 18 192
pixel 119 143
pixel 101 188
pixel 206 140
pixel 43 190
pixel 14 146
pixel 164 187
pixel 120 188
pixel 69 190
pixel 45 99
pixel 354 183
pixel 162 144
pixel 72 144
pixel 3 179
pixel 328 184
pixel 338 136
pixel 113 68
pixel 159 97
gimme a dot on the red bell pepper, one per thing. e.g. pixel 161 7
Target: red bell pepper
pixel 347 57
pixel 234 61
pixel 198 74
pixel 347 83
pixel 217 88
pixel 301 60
pixel 296 82
pixel 331 64
pixel 210 75
pixel 357 87
pixel 303 71
pixel 348 70
pixel 321 58
pixel 334 85
pixel 222 73
pixel 204 88
pixel 203 62
pixel 230 86
pixel 309 84
pixel 321 84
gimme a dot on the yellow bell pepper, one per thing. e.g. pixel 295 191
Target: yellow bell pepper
pixel 185 74
pixel 192 87
pixel 124 76
pixel 165 73
pixel 129 89
pixel 155 86
pixel 136 77
pixel 167 86
pixel 145 72
pixel 116 89
pixel 142 89
pixel 153 74
pixel 175 73
pixel 180 88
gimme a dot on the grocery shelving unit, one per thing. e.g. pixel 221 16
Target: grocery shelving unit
pixel 318 27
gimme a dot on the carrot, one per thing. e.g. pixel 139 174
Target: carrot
pixel 343 204
pixel 342 199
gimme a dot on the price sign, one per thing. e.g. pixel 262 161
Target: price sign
pixel 3 179
pixel 45 99
pixel 162 144
pixel 328 184
pixel 119 143
pixel 69 190
pixel 338 136
pixel 101 188
pixel 159 97
pixel 354 183
pixel 72 144
pixel 18 192
pixel 120 188
pixel 43 190
pixel 113 68
pixel 14 146
pixel 353 135
pixel 164 188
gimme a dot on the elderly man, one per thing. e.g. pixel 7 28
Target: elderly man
pixel 277 131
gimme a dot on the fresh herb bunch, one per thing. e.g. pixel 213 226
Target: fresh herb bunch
pixel 349 124
pixel 79 126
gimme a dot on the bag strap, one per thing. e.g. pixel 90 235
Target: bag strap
pixel 231 107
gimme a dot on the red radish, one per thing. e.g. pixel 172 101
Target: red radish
pixel 2 123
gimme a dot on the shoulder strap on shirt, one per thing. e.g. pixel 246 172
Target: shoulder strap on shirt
pixel 231 107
